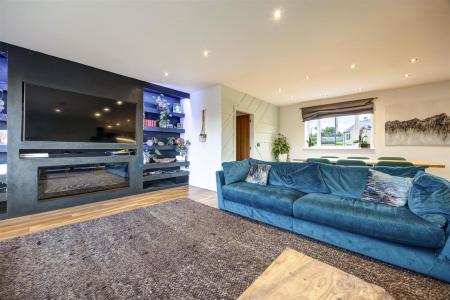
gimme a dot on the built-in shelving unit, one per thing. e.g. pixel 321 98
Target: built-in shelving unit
pixel 3 126
pixel 158 176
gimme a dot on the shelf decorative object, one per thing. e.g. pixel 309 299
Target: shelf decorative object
pixel 202 137
pixel 164 111
pixel 177 108
pixel 182 148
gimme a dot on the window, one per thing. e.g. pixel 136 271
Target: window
pixel 353 131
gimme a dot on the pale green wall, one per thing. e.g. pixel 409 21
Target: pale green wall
pixel 266 123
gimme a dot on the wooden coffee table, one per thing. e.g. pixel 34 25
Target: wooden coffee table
pixel 296 276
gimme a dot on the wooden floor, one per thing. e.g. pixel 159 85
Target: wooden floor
pixel 39 222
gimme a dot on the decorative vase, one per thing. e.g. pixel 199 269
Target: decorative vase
pixel 283 157
pixel 164 123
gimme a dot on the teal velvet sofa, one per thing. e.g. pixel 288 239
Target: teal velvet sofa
pixel 323 202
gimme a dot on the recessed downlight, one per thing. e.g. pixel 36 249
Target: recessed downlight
pixel 307 77
pixel 166 74
pixel 106 109
pixel 205 53
pixel 406 75
pixel 352 66
pixel 277 14
pixel 413 60
pixel 117 124
pixel 119 102
pixel 58 110
pixel 97 114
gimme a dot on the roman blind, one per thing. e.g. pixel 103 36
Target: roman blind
pixel 354 107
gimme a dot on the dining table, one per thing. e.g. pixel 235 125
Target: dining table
pixel 373 162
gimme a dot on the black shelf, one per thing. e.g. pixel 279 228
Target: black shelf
pixel 165 176
pixel 153 166
pixel 164 185
pixel 165 147
pixel 159 129
pixel 156 111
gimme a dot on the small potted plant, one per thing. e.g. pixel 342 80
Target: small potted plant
pixel 363 139
pixel 182 148
pixel 281 148
pixel 164 111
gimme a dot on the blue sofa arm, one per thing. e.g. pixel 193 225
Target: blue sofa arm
pixel 220 181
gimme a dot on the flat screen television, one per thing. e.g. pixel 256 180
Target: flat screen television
pixel 61 116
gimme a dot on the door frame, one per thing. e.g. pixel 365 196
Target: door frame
pixel 252 124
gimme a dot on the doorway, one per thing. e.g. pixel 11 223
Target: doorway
pixel 243 135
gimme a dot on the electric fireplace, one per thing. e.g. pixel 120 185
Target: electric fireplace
pixel 70 180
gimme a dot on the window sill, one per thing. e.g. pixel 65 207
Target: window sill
pixel 342 148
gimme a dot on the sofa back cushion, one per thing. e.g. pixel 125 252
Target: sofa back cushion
pixel 235 171
pixel 400 171
pixel 303 177
pixel 345 181
pixel 429 198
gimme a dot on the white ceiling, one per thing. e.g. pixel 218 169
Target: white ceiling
pixel 249 51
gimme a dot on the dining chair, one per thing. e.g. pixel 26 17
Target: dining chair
pixel 350 162
pixel 388 163
pixel 391 158
pixel 319 160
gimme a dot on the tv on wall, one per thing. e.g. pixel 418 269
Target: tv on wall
pixel 62 116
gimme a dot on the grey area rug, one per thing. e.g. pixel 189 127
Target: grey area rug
pixel 175 250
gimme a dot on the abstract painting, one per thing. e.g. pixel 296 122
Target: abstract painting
pixel 425 123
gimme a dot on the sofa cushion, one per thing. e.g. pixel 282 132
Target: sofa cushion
pixel 400 171
pixel 345 181
pixel 235 171
pixel 395 224
pixel 429 198
pixel 387 189
pixel 258 174
pixel 271 198
pixel 304 177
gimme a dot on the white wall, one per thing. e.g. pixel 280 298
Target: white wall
pixel 292 126
pixel 265 123
pixel 205 157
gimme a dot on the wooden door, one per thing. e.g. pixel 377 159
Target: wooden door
pixel 242 137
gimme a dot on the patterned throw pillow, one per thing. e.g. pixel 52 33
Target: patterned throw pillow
pixel 258 174
pixel 387 189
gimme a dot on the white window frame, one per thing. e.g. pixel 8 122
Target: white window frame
pixel 319 135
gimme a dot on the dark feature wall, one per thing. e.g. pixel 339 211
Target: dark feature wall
pixel 40 69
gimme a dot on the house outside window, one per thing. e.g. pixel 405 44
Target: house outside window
pixel 352 131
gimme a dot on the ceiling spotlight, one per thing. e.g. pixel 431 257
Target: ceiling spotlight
pixel 117 124
pixel 413 60
pixel 307 77
pixel 352 66
pixel 166 74
pixel 205 53
pixel 277 14
pixel 109 126
pixel 97 114
pixel 128 120
pixel 57 110
pixel 106 109
pixel 119 102
pixel 406 75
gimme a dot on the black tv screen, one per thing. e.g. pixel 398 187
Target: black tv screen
pixel 61 116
